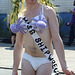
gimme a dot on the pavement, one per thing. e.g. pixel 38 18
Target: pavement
pixel 6 59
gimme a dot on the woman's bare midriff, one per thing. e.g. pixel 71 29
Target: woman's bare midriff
pixel 31 47
pixel 29 44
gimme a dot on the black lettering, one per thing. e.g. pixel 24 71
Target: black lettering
pixel 47 52
pixel 38 40
pixel 57 73
pixel 32 31
pixel 54 65
pixel 53 61
pixel 26 21
pixel 43 48
pixel 50 57
pixel 24 18
pixel 29 26
pixel 56 70
pixel 41 44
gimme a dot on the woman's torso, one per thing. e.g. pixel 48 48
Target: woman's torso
pixel 29 44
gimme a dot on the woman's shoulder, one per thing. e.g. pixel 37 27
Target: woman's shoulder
pixel 48 8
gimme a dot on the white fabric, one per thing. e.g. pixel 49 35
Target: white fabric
pixel 35 61
pixel 42 8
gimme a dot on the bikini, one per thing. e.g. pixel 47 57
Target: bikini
pixel 36 62
pixel 39 23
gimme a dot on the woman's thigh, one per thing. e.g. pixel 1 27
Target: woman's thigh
pixel 45 69
pixel 27 68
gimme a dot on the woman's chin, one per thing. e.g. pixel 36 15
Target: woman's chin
pixel 32 1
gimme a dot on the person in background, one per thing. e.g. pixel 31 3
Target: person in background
pixel 72 28
pixel 13 35
pixel 13 39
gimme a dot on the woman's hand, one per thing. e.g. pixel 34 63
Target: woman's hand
pixel 67 24
pixel 67 71
pixel 71 11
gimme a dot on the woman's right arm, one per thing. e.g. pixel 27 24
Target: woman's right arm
pixel 17 53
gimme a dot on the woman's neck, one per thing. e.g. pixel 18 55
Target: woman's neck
pixel 32 6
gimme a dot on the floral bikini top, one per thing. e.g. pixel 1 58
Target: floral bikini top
pixel 39 23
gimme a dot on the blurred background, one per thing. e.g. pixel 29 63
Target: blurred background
pixel 62 8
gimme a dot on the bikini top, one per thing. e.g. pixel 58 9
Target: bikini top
pixel 38 22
